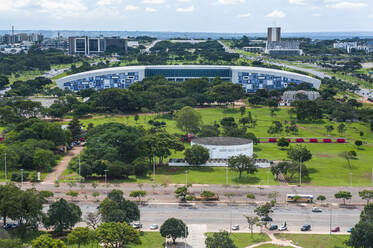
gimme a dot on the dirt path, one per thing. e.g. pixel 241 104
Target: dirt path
pixel 275 241
pixel 62 165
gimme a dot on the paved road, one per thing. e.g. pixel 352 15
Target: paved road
pixel 152 45
pixel 218 218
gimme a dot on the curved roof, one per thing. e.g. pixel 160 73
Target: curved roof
pixel 115 70
pixel 222 141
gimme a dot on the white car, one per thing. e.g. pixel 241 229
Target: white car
pixel 316 210
pixel 154 227
pixel 235 227
pixel 283 228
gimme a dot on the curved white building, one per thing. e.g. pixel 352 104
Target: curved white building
pixel 225 147
pixel 251 78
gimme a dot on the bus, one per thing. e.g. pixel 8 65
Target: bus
pixel 299 198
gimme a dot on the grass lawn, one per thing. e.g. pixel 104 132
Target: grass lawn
pixel 327 167
pixel 148 240
pixel 317 240
pixel 272 246
pixel 242 240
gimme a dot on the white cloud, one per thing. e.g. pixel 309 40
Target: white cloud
pixel 154 1
pixel 276 14
pixel 346 5
pixel 108 2
pixel 131 7
pixel 61 8
pixel 184 1
pixel 316 14
pixel 298 2
pixel 244 15
pixel 371 15
pixel 150 10
pixel 188 9
pixel 229 2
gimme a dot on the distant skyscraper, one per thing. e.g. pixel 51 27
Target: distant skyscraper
pixel 274 34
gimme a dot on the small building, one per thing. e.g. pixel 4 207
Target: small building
pixel 290 96
pixel 225 147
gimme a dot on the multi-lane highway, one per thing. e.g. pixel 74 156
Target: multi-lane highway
pixel 221 217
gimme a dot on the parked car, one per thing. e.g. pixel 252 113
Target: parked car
pixel 349 229
pixel 136 225
pixel 283 228
pixel 273 227
pixel 336 229
pixel 267 219
pixel 235 227
pixel 316 210
pixel 10 226
pixel 305 228
pixel 154 227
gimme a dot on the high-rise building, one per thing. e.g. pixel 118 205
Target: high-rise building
pixel 274 34
pixel 86 45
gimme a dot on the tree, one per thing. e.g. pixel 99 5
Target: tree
pixel 181 193
pixel 366 195
pixel 252 221
pixel 76 128
pixel 174 228
pixel 139 194
pixel 45 241
pixel 299 153
pixel 196 155
pixel 92 219
pixel 117 235
pixel 341 128
pixel 345 195
pixel 136 118
pixel 321 198
pixel 242 163
pixel 115 208
pixel 362 234
pixel 329 128
pixel 9 201
pixel 209 131
pixel 220 240
pixel 283 142
pixel 348 155
pixel 207 194
pixel 264 210
pixel 358 143
pixel 43 159
pixel 79 236
pixel 62 215
pixel 242 110
pixel 188 120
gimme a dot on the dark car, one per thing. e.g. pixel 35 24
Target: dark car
pixel 10 226
pixel 267 219
pixel 273 227
pixel 336 229
pixel 305 228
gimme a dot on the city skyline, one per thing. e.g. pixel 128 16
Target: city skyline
pixel 187 15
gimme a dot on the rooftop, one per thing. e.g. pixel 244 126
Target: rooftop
pixel 222 141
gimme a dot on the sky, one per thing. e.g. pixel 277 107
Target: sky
pixel 221 16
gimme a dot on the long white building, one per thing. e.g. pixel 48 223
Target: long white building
pixel 251 78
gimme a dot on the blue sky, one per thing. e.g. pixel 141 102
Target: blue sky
pixel 188 15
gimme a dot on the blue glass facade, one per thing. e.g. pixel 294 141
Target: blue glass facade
pixel 119 80
pixel 254 81
pixel 251 81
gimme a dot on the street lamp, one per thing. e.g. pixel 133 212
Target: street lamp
pixel 226 175
pixel 5 169
pixel 21 178
pixel 106 177
pixel 79 169
pixel 186 178
pixel 330 221
pixel 350 179
pixel 268 177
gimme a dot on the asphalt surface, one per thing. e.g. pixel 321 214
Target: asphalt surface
pixel 218 218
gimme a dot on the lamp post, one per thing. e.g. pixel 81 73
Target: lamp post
pixel 79 169
pixel 186 178
pixel 300 172
pixel 268 177
pixel 21 178
pixel 226 175
pixel 330 221
pixel 106 177
pixel 351 179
